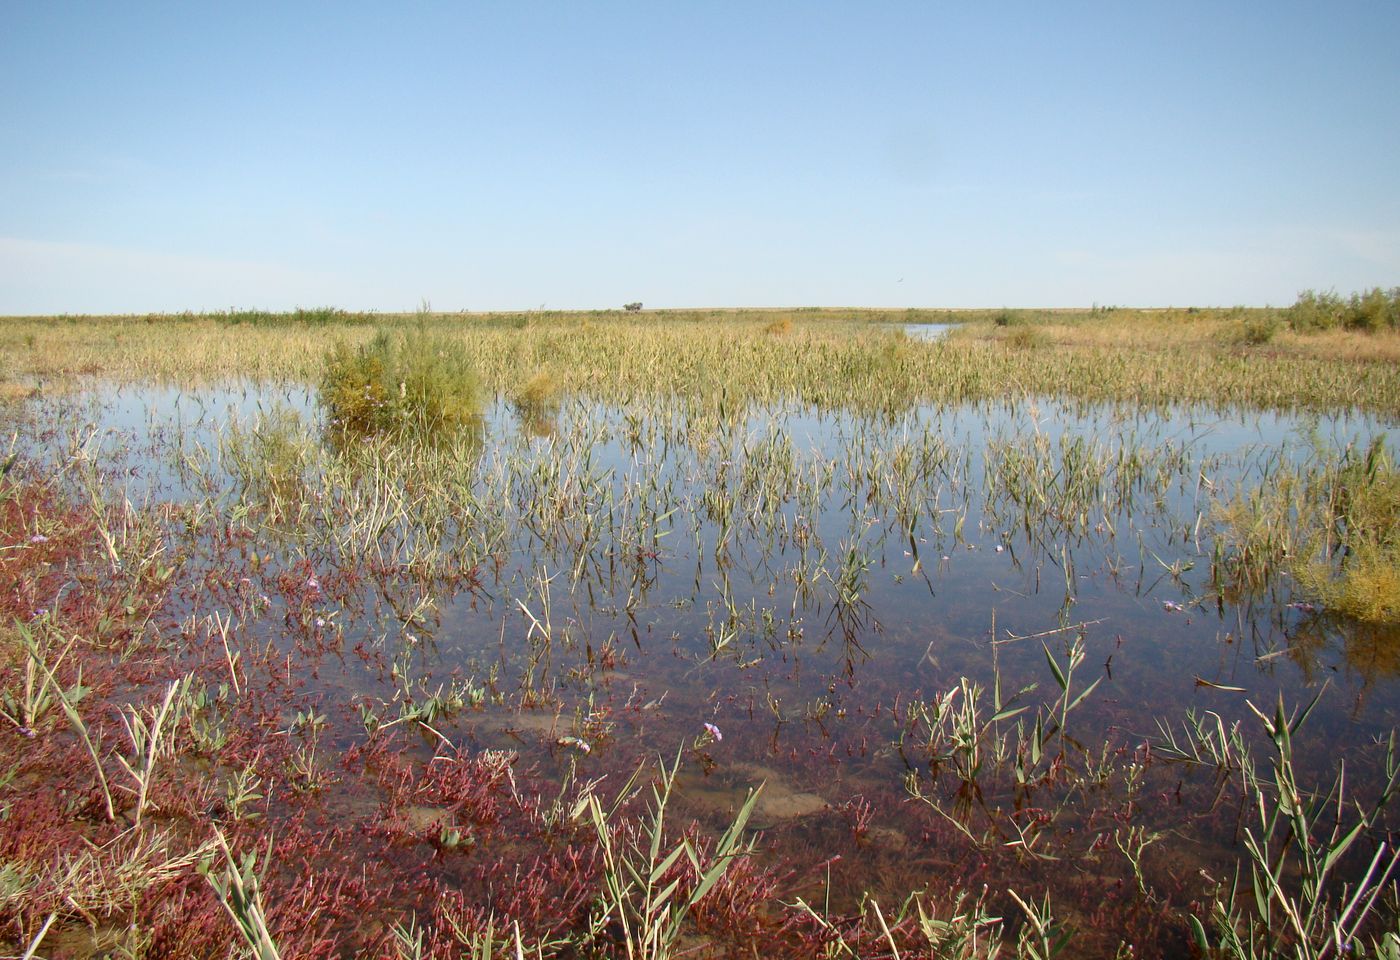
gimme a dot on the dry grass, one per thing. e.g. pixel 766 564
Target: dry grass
pixel 841 357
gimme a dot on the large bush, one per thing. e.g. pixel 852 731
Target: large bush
pixel 410 381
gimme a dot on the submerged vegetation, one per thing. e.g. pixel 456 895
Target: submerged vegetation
pixel 769 633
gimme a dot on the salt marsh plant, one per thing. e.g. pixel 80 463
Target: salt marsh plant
pixel 1357 570
pixel 830 359
pixel 412 381
pixel 269 458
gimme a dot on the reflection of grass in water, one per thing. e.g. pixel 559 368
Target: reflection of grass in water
pixel 1372 650
pixel 269 458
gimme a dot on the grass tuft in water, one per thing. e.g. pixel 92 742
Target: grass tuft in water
pixel 401 382
pixel 1360 576
pixel 1334 524
pixel 537 397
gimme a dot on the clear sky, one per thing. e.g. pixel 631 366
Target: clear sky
pixel 584 154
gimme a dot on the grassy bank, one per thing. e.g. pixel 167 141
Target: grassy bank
pixel 841 358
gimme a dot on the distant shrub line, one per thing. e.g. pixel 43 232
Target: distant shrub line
pixel 1374 309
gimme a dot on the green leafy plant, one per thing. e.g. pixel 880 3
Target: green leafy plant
pixel 1297 900
pixel 236 886
pixel 647 894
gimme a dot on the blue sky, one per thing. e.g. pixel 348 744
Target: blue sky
pixel 519 155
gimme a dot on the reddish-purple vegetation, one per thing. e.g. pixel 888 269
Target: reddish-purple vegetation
pixel 357 829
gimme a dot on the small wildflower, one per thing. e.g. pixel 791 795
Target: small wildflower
pixel 38 538
pixel 1171 606
pixel 320 621
pixel 578 744
pixel 713 731
pixel 1000 548
pixel 313 584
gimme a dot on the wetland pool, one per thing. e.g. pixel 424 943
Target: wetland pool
pixel 787 596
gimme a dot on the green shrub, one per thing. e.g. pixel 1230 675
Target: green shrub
pixel 1373 310
pixel 1007 318
pixel 1316 311
pixel 1259 328
pixel 400 382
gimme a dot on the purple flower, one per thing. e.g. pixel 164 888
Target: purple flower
pixel 1172 606
pixel 38 538
pixel 313 584
pixel 713 731
pixel 320 621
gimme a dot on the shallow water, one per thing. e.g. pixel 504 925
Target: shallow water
pixel 927 331
pixel 798 578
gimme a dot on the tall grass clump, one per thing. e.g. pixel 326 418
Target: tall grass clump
pixel 1358 572
pixel 1333 524
pixel 400 382
pixel 1025 338
pixel 536 397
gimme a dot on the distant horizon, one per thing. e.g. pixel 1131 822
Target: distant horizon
pixel 437 312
